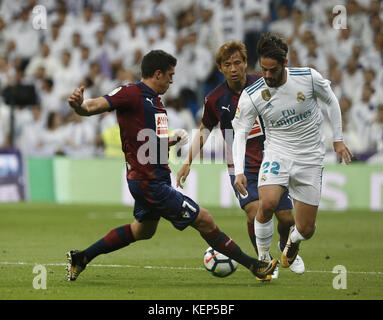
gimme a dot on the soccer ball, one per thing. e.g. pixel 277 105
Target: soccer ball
pixel 218 264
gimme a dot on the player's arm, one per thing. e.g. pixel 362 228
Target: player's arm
pixel 180 136
pixel 323 91
pixel 242 124
pixel 197 145
pixel 87 107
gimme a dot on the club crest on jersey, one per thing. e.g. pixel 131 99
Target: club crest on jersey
pixel 113 92
pixel 263 178
pixel 300 97
pixel 237 112
pixel 266 95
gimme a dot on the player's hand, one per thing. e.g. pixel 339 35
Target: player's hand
pixel 240 183
pixel 181 136
pixel 343 153
pixel 182 175
pixel 76 99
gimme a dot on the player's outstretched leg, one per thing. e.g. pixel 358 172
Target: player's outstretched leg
pixel 116 239
pixel 220 242
pixel 76 264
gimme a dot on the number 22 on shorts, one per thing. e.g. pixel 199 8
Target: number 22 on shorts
pixel 275 166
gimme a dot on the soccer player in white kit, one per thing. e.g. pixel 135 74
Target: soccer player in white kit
pixel 286 99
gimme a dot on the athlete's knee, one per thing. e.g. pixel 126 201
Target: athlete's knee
pixel 143 230
pixel 147 236
pixel 144 235
pixel 267 207
pixel 307 231
pixel 204 222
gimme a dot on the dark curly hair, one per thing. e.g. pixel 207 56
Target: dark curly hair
pixel 272 46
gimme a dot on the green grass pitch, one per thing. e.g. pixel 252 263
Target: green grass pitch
pixel 170 267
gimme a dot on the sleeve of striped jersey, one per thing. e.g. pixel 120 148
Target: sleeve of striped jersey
pixel 323 91
pixel 209 118
pixel 119 98
pixel 242 124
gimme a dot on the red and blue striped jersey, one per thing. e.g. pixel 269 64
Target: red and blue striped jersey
pixel 143 124
pixel 220 107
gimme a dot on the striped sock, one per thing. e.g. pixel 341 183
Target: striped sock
pixel 220 242
pixel 116 239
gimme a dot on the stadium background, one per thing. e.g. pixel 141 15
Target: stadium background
pixel 48 47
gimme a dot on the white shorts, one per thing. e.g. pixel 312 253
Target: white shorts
pixel 304 181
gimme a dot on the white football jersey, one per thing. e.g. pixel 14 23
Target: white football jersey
pixel 291 114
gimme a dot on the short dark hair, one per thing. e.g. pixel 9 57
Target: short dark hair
pixel 272 46
pixel 156 60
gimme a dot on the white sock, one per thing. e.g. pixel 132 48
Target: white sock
pixel 264 235
pixel 295 236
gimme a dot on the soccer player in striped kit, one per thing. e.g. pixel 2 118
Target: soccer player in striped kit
pixel 143 128
pixel 220 107
pixel 286 99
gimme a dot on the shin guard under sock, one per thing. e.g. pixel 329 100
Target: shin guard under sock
pixel 220 242
pixel 116 239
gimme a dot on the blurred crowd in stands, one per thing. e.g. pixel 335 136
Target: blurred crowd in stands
pixel 100 43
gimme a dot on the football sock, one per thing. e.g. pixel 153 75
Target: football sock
pixel 251 232
pixel 296 237
pixel 264 234
pixel 220 242
pixel 116 239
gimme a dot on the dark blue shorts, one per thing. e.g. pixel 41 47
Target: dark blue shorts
pixel 157 198
pixel 252 190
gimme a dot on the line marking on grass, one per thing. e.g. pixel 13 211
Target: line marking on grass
pixel 162 267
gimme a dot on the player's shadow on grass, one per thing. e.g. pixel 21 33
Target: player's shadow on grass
pixel 164 285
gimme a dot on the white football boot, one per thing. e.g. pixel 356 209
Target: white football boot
pixel 298 266
pixel 275 273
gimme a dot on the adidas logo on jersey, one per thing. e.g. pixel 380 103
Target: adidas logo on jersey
pixel 268 105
